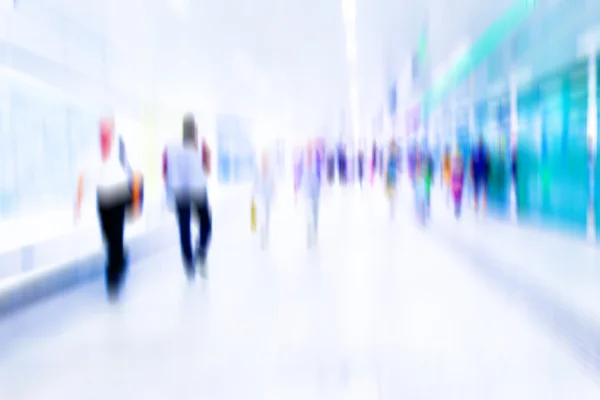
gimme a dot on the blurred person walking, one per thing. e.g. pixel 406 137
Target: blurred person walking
pixel 428 176
pixel 342 163
pixel 420 184
pixel 298 171
pixel 480 171
pixel 447 173
pixel 458 179
pixel 263 194
pixel 391 177
pixel 312 188
pixel 361 166
pixel 330 167
pixel 186 166
pixel 115 195
pixel 373 167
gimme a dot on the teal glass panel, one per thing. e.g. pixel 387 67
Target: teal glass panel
pixel 564 155
pixel 529 194
pixel 597 164
pixel 498 145
pixel 485 45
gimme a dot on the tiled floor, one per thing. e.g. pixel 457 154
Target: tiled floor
pixel 378 310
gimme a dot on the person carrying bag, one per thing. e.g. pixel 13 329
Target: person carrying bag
pixel 114 197
pixel 186 167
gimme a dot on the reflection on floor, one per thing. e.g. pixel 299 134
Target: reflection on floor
pixel 378 310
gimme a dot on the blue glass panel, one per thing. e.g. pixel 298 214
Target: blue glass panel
pixel 235 150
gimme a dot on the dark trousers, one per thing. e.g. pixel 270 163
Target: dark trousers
pixel 185 207
pixel 112 225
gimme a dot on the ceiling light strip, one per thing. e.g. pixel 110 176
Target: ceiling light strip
pixel 349 19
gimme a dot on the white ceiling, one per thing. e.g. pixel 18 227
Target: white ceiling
pixel 274 57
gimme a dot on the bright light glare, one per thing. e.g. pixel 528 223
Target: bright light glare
pixel 180 6
pixel 349 18
pixel 353 94
pixel 349 11
pixel 7 5
pixel 351 52
pixel 460 51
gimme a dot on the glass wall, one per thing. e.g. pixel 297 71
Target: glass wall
pixel 553 169
pixel 497 132
pixel 528 154
pixel 597 164
pixel 54 85
pixel 553 172
pixel 548 39
pixel 44 137
pixel 235 151
pixel 49 70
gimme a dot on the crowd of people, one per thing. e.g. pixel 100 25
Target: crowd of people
pixel 186 167
pixel 315 166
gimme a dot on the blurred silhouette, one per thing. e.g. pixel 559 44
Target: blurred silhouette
pixel 480 170
pixel 263 194
pixel 312 189
pixel 447 172
pixel 186 169
pixel 330 167
pixel 391 176
pixel 361 166
pixel 374 153
pixel 342 163
pixel 458 178
pixel 113 190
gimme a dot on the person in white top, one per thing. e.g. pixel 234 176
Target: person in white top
pixel 185 169
pixel 111 183
pixel 264 191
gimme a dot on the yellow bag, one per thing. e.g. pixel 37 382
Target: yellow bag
pixel 253 216
pixel 390 191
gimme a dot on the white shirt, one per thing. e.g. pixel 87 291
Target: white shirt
pixel 105 179
pixel 105 174
pixel 185 170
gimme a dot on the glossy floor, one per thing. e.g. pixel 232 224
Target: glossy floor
pixel 379 309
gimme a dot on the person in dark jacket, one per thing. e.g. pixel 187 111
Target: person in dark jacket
pixel 480 170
